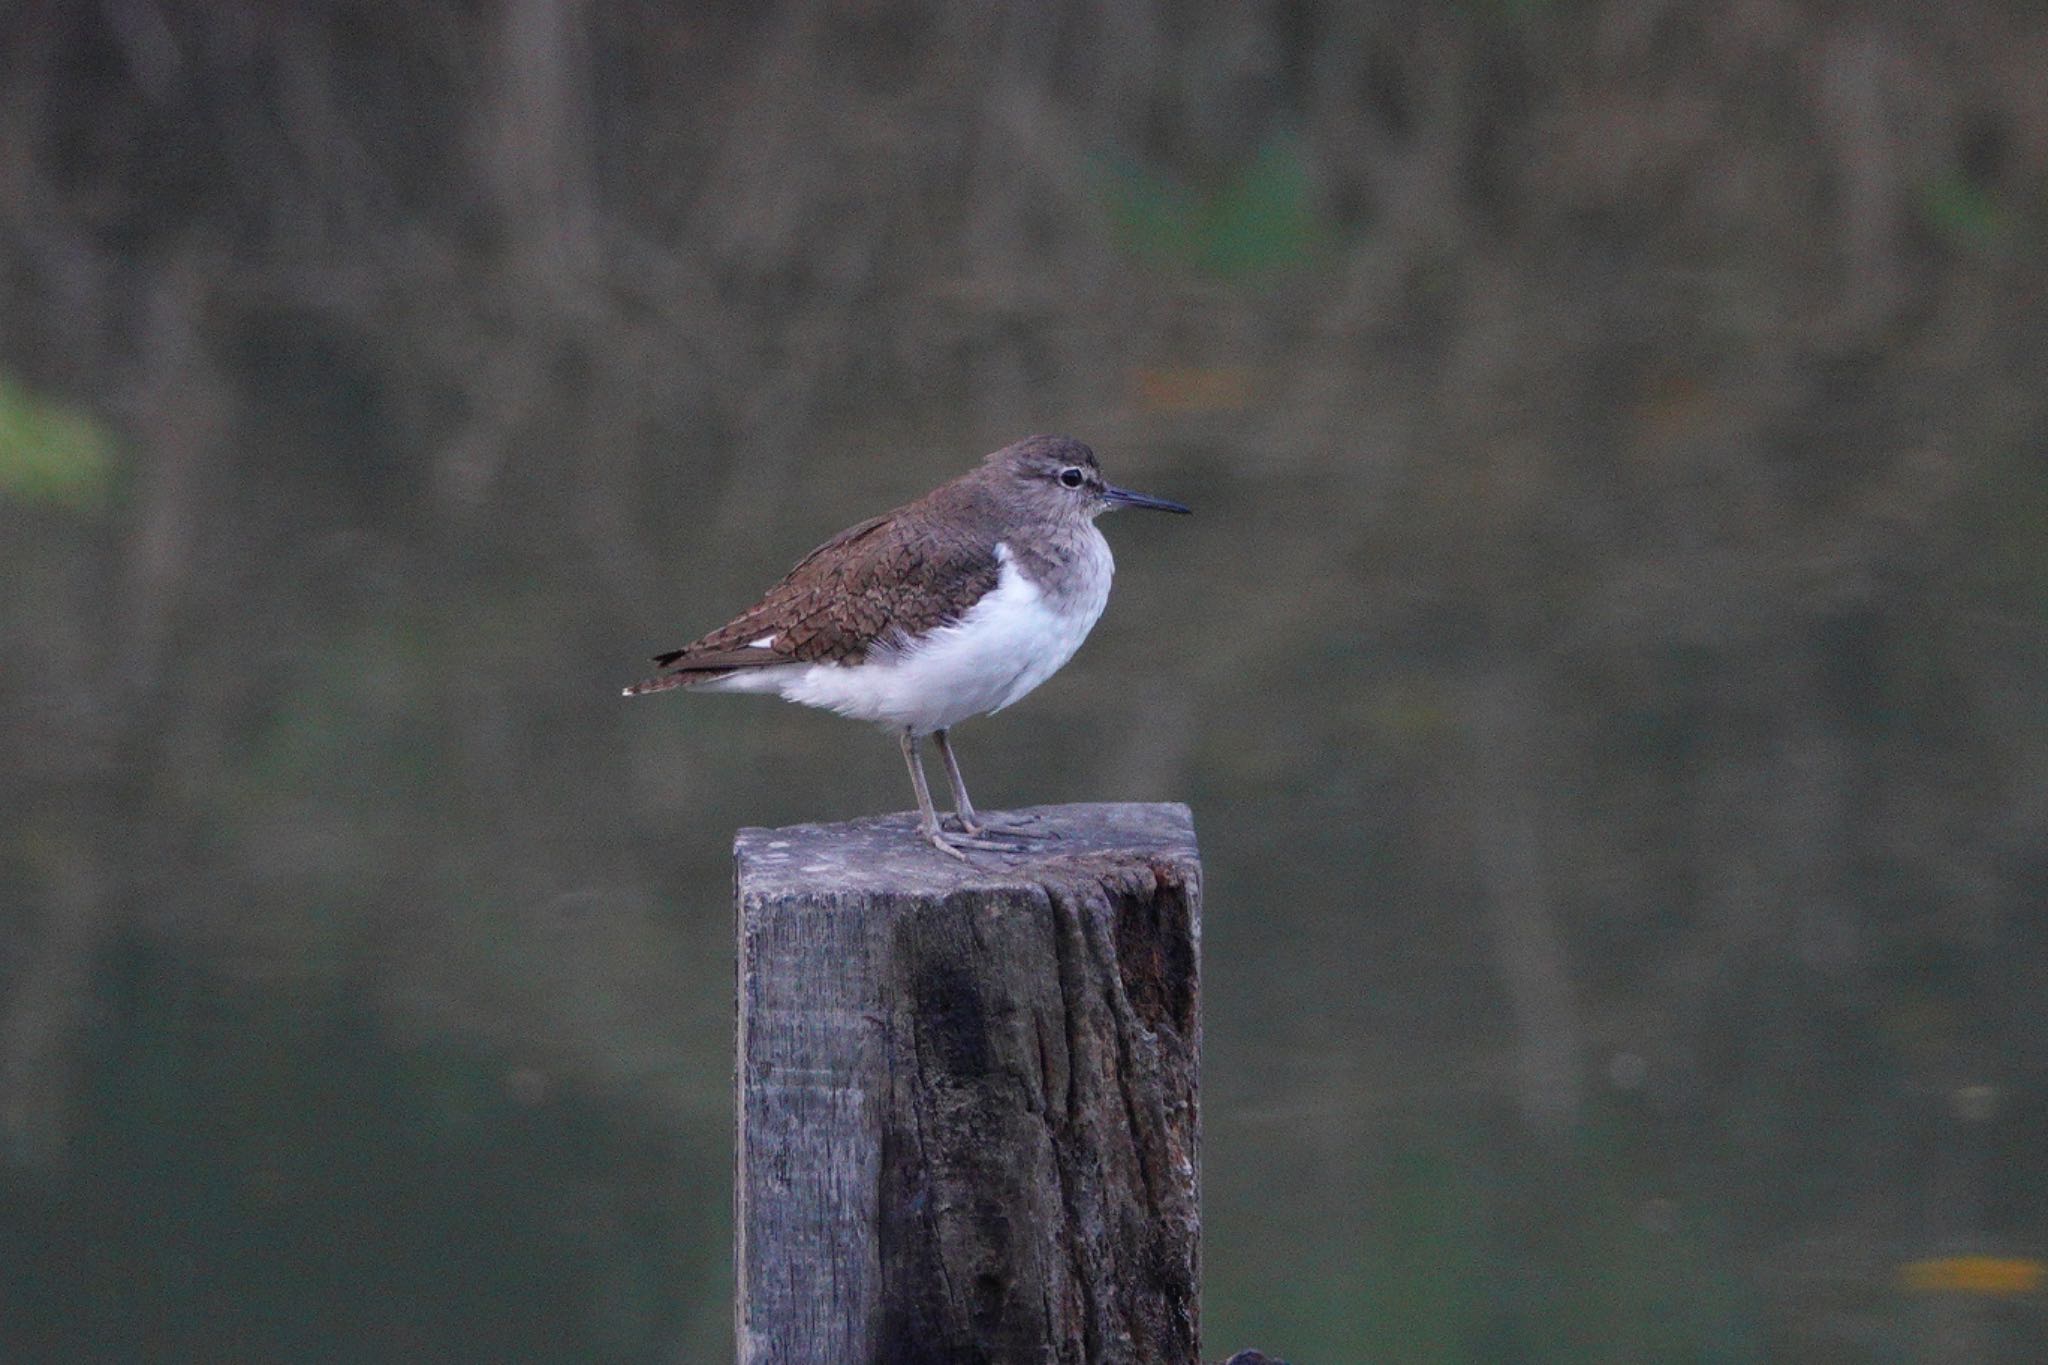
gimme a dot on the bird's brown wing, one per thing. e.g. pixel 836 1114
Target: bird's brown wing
pixel 849 536
pixel 873 583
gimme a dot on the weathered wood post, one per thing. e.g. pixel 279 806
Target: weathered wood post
pixel 968 1119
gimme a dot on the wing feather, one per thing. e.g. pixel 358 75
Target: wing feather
pixel 883 579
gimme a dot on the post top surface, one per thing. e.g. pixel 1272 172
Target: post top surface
pixel 886 853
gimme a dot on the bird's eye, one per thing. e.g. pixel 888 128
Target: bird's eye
pixel 1072 478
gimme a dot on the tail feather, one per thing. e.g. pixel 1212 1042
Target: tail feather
pixel 662 683
pixel 704 665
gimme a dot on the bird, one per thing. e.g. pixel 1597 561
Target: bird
pixel 952 606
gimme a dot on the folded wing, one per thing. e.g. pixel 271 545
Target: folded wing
pixel 870 586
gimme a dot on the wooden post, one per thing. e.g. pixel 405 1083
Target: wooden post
pixel 968 1124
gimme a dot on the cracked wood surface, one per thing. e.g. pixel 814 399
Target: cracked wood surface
pixel 968 1119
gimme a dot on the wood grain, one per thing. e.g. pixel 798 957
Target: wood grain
pixel 968 1118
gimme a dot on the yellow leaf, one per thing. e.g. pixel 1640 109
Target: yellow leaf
pixel 1194 389
pixel 1999 1275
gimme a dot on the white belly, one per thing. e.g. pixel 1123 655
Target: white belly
pixel 1009 642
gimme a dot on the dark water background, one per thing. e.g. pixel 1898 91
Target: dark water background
pixel 1607 664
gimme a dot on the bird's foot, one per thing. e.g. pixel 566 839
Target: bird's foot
pixel 956 845
pixel 1001 829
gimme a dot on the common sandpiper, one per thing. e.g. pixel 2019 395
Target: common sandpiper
pixel 955 605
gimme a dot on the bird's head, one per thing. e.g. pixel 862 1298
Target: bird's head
pixel 1059 476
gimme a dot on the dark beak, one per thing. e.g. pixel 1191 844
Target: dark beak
pixel 1124 497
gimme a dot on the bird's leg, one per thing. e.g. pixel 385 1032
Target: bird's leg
pixel 963 808
pixel 928 818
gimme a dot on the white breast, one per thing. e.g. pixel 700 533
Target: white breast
pixel 1009 642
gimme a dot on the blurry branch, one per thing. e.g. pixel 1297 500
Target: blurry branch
pixel 39 1026
pixel 180 403
pixel 537 146
pixel 147 44
pixel 532 133
pixel 1506 724
pixel 1859 77
pixel 109 863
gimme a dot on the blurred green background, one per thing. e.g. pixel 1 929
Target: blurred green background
pixel 1607 665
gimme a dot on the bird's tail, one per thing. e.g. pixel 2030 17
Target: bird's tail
pixel 662 683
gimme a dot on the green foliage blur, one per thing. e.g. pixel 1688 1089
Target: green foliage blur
pixel 1261 219
pixel 50 454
